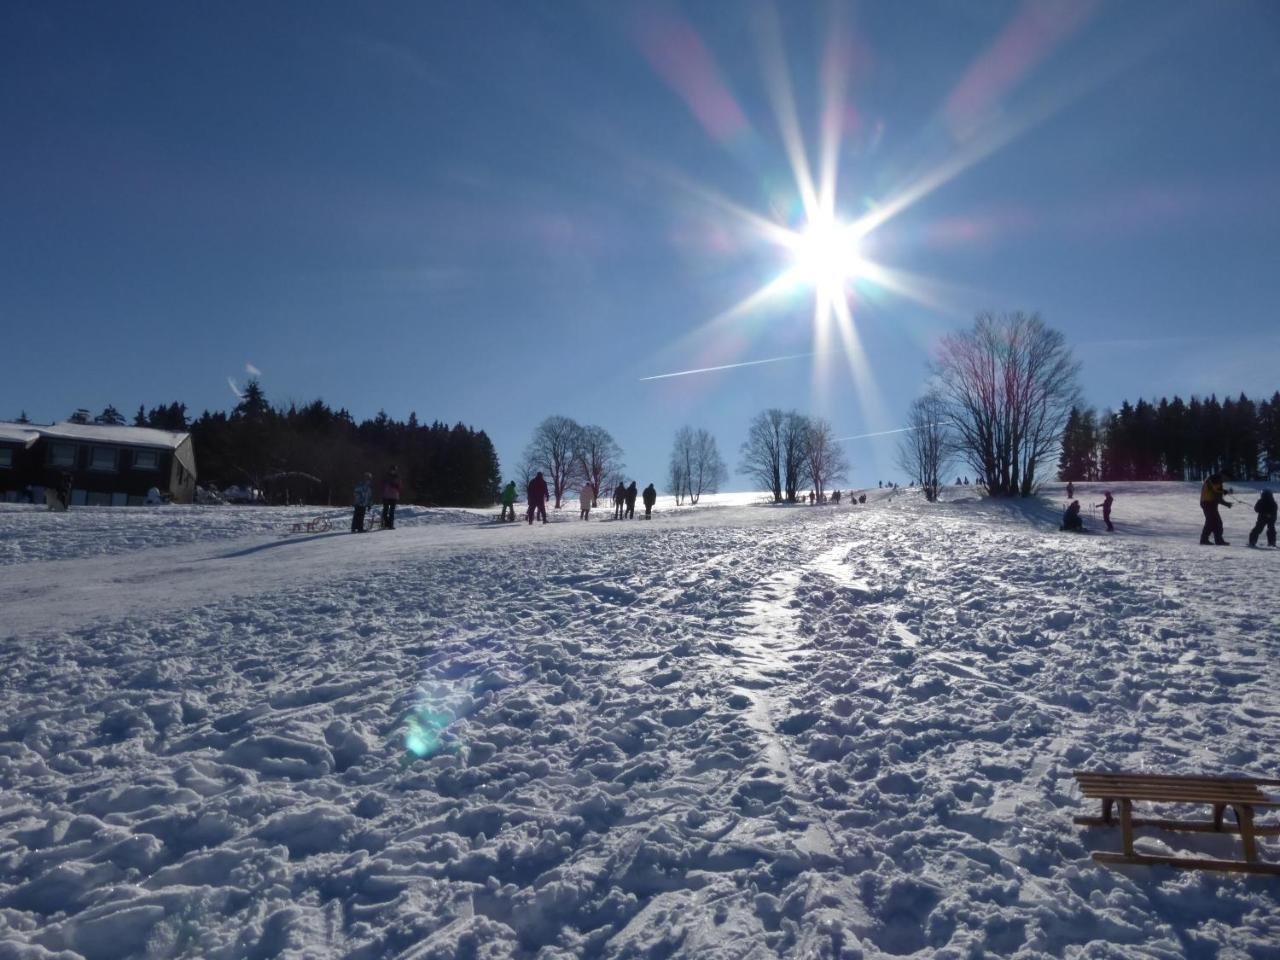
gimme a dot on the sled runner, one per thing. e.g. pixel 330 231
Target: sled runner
pixel 315 525
pixel 1241 794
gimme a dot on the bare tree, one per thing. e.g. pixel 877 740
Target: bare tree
pixel 553 450
pixel 676 481
pixel 1009 384
pixel 696 462
pixel 525 470
pixel 598 457
pixel 928 445
pixel 795 453
pixel 761 452
pixel 825 460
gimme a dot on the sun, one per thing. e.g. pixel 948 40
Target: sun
pixel 826 253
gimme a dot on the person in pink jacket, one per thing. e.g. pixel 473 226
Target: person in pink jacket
pixel 390 497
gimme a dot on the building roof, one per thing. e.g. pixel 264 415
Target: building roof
pixel 105 433
pixel 23 433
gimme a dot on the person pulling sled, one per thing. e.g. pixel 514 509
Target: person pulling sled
pixel 1211 497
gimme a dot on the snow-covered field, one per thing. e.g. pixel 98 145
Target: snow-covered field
pixel 737 731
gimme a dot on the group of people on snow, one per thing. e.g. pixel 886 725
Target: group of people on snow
pixel 362 500
pixel 537 494
pixel 1213 495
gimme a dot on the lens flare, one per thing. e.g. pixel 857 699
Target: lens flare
pixel 431 727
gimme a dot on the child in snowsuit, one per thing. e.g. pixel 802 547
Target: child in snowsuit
pixel 509 501
pixel 537 494
pixel 631 501
pixel 650 498
pixel 1210 499
pixel 585 496
pixel 1071 517
pixel 390 497
pixel 361 500
pixel 1265 508
pixel 1106 510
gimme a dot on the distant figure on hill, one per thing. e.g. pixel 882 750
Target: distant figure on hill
pixel 509 501
pixel 537 497
pixel 1265 508
pixel 650 498
pixel 619 500
pixel 1071 490
pixel 1106 510
pixel 835 497
pixel 1071 517
pixel 862 498
pixel 1211 495
pixel 390 497
pixel 585 496
pixel 59 498
pixel 361 500
pixel 631 501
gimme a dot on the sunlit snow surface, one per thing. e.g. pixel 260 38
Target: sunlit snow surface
pixel 734 731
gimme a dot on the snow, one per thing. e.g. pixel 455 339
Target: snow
pixel 110 433
pixel 733 731
pixel 18 433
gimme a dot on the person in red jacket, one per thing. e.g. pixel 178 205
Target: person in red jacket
pixel 390 497
pixel 537 496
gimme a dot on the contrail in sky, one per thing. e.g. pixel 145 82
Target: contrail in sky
pixel 726 366
pixel 882 433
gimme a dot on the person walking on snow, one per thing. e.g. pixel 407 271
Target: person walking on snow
pixel 585 496
pixel 390 497
pixel 1265 508
pixel 619 500
pixel 1106 510
pixel 1211 495
pixel 362 500
pixel 1071 518
pixel 537 496
pixel 1071 490
pixel 509 501
pixel 631 501
pixel 650 498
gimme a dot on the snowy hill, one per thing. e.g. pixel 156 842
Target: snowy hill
pixel 734 731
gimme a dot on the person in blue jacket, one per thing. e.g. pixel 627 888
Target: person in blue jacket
pixel 361 500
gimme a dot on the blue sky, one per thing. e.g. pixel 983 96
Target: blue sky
pixel 493 212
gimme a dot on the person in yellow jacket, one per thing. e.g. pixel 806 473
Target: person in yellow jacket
pixel 1211 495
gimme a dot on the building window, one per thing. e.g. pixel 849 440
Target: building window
pixel 146 459
pixel 6 458
pixel 62 455
pixel 103 458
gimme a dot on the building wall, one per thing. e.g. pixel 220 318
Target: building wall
pixel 102 473
pixel 14 477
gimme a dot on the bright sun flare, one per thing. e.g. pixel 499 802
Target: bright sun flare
pixel 826 254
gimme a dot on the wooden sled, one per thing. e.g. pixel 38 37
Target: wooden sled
pixel 1241 794
pixel 315 525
